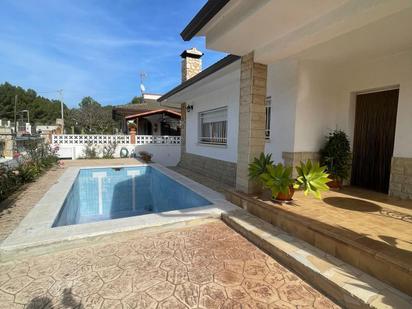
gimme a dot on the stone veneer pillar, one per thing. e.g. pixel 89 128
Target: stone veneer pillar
pixel 401 178
pixel 183 128
pixel 251 141
pixel 8 141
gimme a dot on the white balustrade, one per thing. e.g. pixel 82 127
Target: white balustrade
pixel 151 139
pixel 82 139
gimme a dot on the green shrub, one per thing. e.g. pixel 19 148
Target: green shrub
pixel 109 150
pixel 312 178
pixel 259 166
pixel 336 155
pixel 29 171
pixel 90 151
pixel 277 178
pixel 9 181
pixel 39 158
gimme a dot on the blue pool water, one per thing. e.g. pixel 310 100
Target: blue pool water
pixel 107 193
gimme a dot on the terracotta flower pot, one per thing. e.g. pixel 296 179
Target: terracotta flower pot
pixel 335 183
pixel 285 197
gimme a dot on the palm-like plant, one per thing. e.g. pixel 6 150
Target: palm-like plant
pixel 312 178
pixel 278 179
pixel 259 165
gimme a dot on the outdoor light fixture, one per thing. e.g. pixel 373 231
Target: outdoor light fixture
pixel 189 108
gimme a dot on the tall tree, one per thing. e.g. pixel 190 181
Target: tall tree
pixel 42 110
pixel 92 118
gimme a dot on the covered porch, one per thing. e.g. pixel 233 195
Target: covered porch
pixel 156 122
pixel 359 82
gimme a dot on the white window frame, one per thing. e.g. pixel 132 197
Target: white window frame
pixel 217 130
pixel 268 116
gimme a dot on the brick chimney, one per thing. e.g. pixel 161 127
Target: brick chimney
pixel 191 63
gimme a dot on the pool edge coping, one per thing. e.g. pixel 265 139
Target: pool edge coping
pixel 36 230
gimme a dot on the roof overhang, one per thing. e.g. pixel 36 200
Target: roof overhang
pixel 154 112
pixel 278 29
pixel 206 13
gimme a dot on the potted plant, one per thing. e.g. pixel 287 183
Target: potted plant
pixel 278 179
pixel 145 156
pixel 259 166
pixel 132 127
pixel 336 156
pixel 312 178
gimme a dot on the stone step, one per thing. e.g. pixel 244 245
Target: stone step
pixel 387 264
pixel 345 284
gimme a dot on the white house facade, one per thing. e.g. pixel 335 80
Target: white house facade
pixel 301 70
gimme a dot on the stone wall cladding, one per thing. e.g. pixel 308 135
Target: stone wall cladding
pixel 190 67
pixel 401 178
pixel 219 170
pixel 251 139
pixel 294 158
pixel 7 142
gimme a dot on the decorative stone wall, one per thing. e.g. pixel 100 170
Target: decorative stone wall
pixel 294 158
pixel 190 67
pixel 401 178
pixel 7 141
pixel 251 141
pixel 222 171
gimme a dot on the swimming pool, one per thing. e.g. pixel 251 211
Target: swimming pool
pixel 99 194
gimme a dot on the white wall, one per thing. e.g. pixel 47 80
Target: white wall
pixel 282 86
pixel 223 91
pixel 315 106
pixel 167 155
pixel 379 74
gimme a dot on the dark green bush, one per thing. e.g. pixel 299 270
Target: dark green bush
pixel 29 171
pixel 38 159
pixel 336 155
pixel 9 181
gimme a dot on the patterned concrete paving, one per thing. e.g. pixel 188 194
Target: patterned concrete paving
pixel 201 266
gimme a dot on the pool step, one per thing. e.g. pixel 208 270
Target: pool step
pixel 345 284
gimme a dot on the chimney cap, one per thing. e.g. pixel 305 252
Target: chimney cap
pixel 191 53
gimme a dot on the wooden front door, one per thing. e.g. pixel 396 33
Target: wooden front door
pixel 374 137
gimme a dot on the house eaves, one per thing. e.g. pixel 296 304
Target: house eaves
pixel 206 13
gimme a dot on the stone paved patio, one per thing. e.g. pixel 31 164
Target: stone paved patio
pixel 368 218
pixel 202 266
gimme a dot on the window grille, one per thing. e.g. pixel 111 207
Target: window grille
pixel 213 126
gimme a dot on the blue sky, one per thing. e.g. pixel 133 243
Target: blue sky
pixel 95 47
